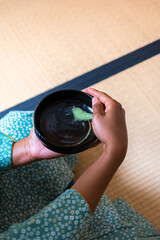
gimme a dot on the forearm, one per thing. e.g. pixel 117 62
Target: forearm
pixel 96 178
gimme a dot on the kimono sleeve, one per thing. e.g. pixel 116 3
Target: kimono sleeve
pixel 67 217
pixel 6 144
pixel 13 127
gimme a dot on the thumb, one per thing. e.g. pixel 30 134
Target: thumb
pixel 97 106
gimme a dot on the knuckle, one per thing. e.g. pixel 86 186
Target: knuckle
pixel 96 115
pixel 115 105
pixel 118 104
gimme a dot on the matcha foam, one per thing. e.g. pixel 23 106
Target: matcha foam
pixel 81 115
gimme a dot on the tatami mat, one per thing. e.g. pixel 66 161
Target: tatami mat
pixel 46 43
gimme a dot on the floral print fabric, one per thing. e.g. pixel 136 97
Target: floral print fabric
pixel 67 217
pixel 26 190
pixel 5 151
pixel 35 205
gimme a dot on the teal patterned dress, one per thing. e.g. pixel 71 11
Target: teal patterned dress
pixel 34 202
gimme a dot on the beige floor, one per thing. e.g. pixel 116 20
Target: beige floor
pixel 46 43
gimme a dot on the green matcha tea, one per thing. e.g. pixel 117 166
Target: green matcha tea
pixel 81 115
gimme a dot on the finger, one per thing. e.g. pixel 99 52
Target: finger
pixel 97 106
pixel 96 143
pixel 85 90
pixel 103 97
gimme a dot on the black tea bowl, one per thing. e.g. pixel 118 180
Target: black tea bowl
pixel 57 126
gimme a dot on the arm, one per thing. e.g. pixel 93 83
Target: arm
pixel 110 128
pixel 14 154
pixel 18 143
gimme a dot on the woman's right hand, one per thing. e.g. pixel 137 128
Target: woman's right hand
pixel 109 124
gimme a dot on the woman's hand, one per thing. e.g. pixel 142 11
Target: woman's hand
pixel 30 149
pixel 37 150
pixel 109 122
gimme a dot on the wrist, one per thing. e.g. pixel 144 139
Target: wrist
pixel 21 153
pixel 115 154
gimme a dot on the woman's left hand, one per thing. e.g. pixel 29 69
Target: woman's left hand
pixel 37 150
pixel 30 149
